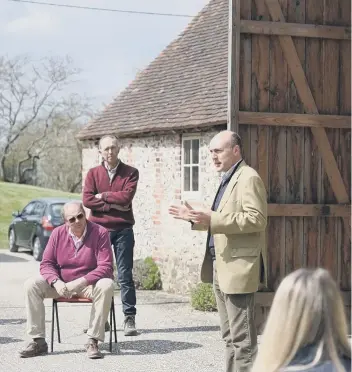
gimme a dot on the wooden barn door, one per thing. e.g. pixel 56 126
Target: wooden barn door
pixel 294 115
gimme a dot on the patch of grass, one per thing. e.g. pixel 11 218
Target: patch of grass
pixel 14 197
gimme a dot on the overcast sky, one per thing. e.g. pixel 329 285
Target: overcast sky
pixel 110 47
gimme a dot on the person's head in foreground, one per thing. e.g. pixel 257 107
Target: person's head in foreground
pixel 306 329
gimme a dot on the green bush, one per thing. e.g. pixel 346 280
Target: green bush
pixel 203 298
pixel 146 274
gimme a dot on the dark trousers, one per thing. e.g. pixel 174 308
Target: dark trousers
pixel 123 245
pixel 237 326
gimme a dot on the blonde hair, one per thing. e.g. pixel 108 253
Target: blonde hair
pixel 307 310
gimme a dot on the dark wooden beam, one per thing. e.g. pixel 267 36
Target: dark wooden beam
pixel 295 120
pixel 295 29
pixel 309 210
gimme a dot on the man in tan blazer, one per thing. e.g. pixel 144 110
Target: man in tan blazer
pixel 235 256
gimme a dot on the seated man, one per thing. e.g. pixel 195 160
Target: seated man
pixel 77 261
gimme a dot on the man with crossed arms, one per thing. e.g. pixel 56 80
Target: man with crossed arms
pixel 108 192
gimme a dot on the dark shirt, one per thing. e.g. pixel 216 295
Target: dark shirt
pixel 219 194
pixel 307 354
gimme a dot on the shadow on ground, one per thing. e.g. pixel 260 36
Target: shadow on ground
pixel 181 329
pixel 144 347
pixel 8 340
pixel 75 351
pixel 8 258
pixel 12 321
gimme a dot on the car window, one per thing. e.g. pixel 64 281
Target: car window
pixel 28 209
pixel 38 209
pixel 56 209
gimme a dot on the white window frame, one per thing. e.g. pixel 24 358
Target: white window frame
pixel 190 194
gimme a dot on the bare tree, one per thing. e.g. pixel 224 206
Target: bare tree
pixel 60 163
pixel 48 154
pixel 30 94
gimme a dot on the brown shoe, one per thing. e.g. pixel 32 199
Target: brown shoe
pixel 93 350
pixel 34 349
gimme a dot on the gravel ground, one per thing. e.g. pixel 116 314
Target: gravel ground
pixel 173 337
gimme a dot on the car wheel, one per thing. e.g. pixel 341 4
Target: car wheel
pixel 12 239
pixel 37 249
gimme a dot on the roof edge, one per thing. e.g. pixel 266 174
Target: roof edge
pixel 153 131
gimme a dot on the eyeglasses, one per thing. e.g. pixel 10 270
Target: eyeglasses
pixel 108 149
pixel 78 218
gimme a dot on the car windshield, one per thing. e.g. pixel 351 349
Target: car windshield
pixel 56 210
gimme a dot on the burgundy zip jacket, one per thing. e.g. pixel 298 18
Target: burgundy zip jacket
pixel 93 260
pixel 120 190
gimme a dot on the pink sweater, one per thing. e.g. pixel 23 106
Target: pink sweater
pixel 93 261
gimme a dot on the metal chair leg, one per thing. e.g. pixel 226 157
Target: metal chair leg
pixel 114 317
pixel 52 326
pixel 57 323
pixel 110 339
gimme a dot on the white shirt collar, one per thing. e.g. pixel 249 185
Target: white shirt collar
pixel 111 170
pixel 76 238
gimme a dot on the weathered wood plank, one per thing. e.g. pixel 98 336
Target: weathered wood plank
pixel 313 163
pixel 345 282
pixel 260 102
pixel 294 29
pixel 260 94
pixel 294 235
pixel 309 210
pixel 295 120
pixel 306 96
pixel 233 65
pixel 330 250
pixel 345 140
pixel 278 147
pixel 245 99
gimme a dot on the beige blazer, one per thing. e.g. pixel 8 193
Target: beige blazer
pixel 238 227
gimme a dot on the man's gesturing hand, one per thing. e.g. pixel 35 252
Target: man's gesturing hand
pixel 180 212
pixel 201 217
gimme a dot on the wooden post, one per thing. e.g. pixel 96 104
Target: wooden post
pixel 233 65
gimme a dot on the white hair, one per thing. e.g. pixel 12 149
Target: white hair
pixel 111 136
pixel 73 202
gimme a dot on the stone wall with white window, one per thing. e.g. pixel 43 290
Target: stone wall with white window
pixel 177 250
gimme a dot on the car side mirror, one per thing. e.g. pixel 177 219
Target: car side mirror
pixel 16 214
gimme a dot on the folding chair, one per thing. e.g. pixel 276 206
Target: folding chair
pixel 80 300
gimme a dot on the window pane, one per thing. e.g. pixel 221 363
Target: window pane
pixel 56 209
pixel 38 209
pixel 187 152
pixel 28 209
pixel 187 179
pixel 195 178
pixel 195 151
